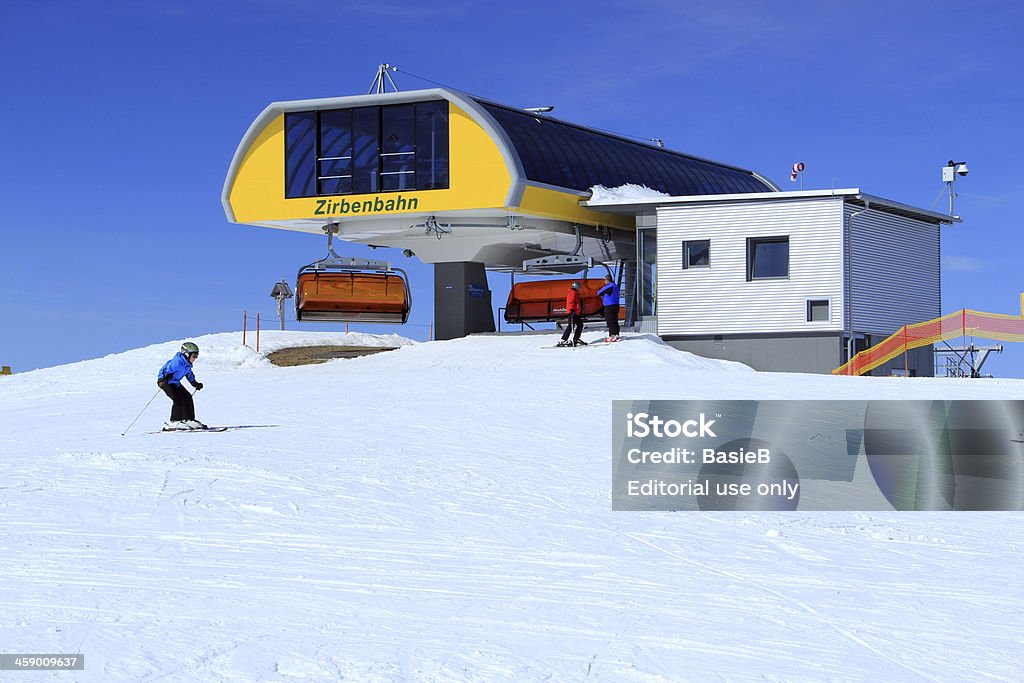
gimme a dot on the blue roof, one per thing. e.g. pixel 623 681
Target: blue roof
pixel 565 155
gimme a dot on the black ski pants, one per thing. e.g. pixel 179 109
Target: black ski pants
pixel 183 408
pixel 611 317
pixel 573 326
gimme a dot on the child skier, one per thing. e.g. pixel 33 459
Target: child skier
pixel 183 411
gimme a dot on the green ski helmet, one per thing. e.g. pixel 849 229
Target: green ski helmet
pixel 188 348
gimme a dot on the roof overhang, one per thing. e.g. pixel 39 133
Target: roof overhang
pixel 851 195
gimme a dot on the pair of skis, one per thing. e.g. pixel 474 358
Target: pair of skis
pixel 210 429
pixel 609 340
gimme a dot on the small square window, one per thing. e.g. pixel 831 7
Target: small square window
pixel 767 257
pixel 696 254
pixel 818 310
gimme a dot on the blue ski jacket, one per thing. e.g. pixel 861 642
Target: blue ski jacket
pixel 609 294
pixel 176 368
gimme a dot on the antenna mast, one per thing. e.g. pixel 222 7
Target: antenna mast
pixel 381 80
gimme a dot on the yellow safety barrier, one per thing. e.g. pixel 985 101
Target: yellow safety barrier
pixel 963 323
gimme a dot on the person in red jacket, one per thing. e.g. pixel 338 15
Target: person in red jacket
pixel 574 323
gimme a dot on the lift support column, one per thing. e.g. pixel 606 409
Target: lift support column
pixel 462 300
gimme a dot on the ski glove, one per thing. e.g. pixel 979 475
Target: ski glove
pixel 198 385
pixel 162 382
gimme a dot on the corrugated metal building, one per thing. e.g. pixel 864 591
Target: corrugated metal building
pixel 786 281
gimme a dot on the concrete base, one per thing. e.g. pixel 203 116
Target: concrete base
pixel 462 300
pixel 814 353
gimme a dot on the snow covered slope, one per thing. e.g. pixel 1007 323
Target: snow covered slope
pixel 443 513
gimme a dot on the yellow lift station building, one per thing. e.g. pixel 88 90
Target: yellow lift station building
pixel 468 184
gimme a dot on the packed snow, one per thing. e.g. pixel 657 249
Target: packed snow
pixel 442 512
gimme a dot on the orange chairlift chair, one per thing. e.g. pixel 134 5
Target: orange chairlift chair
pixel 336 289
pixel 544 300
pixel 541 301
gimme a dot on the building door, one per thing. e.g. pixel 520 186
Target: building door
pixel 647 271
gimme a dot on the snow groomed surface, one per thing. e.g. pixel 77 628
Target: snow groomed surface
pixel 442 513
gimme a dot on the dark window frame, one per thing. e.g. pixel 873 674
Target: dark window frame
pixel 332 169
pixel 687 254
pixel 300 170
pixel 367 175
pixel 811 307
pixel 752 244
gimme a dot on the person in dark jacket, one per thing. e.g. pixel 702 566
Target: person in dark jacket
pixel 574 322
pixel 609 294
pixel 183 410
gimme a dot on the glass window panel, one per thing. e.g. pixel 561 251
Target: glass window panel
pixel 333 167
pixel 432 145
pixel 647 271
pixel 300 154
pixel 817 311
pixel 767 257
pixel 365 149
pixel 696 253
pixel 397 129
pixel 398 148
pixel 400 162
pixel 335 161
pixel 336 185
pixel 404 180
pixel 335 133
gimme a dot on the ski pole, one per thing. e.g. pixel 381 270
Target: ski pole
pixel 140 414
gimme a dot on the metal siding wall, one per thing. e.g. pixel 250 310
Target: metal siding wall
pixel 719 300
pixel 896 272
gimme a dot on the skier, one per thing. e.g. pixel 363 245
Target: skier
pixel 609 294
pixel 574 323
pixel 183 411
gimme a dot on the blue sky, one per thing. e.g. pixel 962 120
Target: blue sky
pixel 121 118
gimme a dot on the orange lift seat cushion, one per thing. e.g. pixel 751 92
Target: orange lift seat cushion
pixel 352 292
pixel 545 299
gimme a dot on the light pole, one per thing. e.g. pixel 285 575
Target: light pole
pixel 949 173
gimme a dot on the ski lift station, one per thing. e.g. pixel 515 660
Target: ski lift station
pixel 724 264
